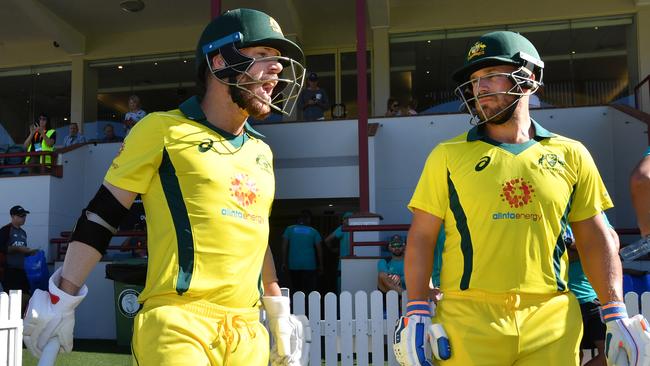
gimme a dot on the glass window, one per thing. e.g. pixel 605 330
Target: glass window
pixel 586 62
pixel 349 82
pixel 161 82
pixel 27 92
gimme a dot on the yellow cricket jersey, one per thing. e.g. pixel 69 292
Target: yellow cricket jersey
pixel 505 208
pixel 207 200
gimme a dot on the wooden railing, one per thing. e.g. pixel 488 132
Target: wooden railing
pixel 35 166
pixel 62 243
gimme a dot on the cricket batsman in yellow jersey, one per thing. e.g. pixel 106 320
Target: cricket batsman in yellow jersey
pixel 506 191
pixel 207 184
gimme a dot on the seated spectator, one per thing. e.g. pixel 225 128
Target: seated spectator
pixel 135 113
pixel 74 137
pixel 392 108
pixel 411 108
pixel 391 270
pixel 109 135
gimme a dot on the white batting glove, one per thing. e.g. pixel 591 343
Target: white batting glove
pixel 415 331
pixel 51 315
pixel 291 333
pixel 627 341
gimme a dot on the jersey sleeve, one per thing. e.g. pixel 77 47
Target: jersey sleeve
pixel 338 233
pixel 382 266
pixel 431 193
pixel 317 238
pixel 590 196
pixel 139 157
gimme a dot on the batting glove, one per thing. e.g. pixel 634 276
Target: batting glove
pixel 627 341
pixel 51 315
pixel 291 333
pixel 414 331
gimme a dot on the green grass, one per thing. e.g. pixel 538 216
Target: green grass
pixel 87 353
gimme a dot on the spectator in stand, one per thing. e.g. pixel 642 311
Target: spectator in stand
pixel 13 242
pixel 134 114
pixel 313 100
pixel 392 108
pixel 412 108
pixel 390 271
pixel 41 138
pixel 74 137
pixel 110 136
pixel 640 189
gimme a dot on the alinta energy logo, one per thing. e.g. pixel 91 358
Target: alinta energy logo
pixel 243 189
pixel 517 192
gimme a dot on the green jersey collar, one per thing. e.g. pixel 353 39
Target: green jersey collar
pixel 478 132
pixel 191 108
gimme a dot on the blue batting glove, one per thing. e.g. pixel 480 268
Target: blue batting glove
pixel 627 341
pixel 414 331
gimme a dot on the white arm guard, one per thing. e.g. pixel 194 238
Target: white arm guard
pixel 51 315
pixel 291 334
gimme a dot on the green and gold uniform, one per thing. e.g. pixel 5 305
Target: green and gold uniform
pixel 505 209
pixel 207 196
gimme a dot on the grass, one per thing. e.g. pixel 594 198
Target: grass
pixel 89 352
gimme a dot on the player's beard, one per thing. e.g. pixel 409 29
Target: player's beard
pixel 247 101
pixel 502 110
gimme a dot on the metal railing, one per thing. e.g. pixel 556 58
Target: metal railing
pixel 637 94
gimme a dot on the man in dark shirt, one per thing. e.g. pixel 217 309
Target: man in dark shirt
pixel 13 243
pixel 313 100
pixel 110 136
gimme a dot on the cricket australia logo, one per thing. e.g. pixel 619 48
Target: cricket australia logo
pixel 517 192
pixel 243 189
pixel 263 163
pixel 477 49
pixel 551 162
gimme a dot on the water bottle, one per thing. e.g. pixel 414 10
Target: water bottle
pixel 636 249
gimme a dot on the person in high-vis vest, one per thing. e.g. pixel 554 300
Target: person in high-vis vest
pixel 41 138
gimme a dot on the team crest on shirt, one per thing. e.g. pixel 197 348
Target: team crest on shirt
pixel 517 192
pixel 551 162
pixel 243 189
pixel 263 163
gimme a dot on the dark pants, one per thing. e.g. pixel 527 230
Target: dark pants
pixel 15 279
pixel 304 280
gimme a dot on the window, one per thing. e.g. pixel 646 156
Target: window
pixel 161 82
pixel 27 92
pixel 586 62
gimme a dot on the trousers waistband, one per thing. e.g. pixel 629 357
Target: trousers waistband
pixel 202 307
pixel 498 298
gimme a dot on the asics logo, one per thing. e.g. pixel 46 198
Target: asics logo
pixel 482 163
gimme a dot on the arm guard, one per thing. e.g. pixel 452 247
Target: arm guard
pixel 99 221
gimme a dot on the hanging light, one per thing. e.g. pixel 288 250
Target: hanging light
pixel 132 6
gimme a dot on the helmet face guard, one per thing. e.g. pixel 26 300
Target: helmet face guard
pixel 288 84
pixel 521 82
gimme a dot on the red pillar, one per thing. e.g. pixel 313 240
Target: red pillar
pixel 362 103
pixel 215 8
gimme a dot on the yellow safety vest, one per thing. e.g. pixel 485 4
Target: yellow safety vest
pixel 44 147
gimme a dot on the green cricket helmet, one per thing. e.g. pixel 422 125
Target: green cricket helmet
pixel 493 49
pixel 241 28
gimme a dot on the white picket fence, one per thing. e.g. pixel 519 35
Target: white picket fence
pixel 357 331
pixel 11 329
